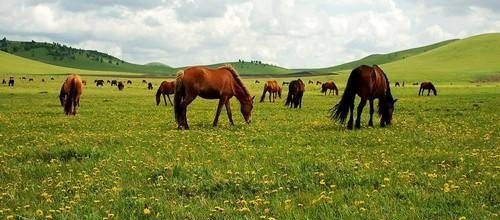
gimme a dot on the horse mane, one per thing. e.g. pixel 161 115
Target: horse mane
pixel 236 78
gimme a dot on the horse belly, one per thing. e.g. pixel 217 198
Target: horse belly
pixel 210 94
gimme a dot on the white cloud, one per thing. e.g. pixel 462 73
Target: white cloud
pixel 291 33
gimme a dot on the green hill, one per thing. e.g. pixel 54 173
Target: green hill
pixel 469 59
pixel 384 58
pixel 62 55
pixel 253 68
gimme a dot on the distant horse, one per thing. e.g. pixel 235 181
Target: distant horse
pixel 222 83
pixel 318 83
pixel 144 81
pixel 329 86
pixel 108 81
pixel 165 88
pixel 369 83
pixel 120 86
pixel 4 81
pixel 30 80
pixel 311 82
pixel 403 85
pixel 51 78
pixel 285 83
pixel 114 82
pixel 71 90
pixel 415 83
pixel 43 80
pixel 129 82
pixel 84 82
pixel 150 86
pixel 274 90
pixel 99 82
pixel 257 81
pixel 397 84
pixel 23 77
pixel 295 92
pixel 427 86
pixel 11 82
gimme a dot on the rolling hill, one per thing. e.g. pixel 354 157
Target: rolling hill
pixel 468 59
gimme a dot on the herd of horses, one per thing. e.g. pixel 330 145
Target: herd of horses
pixel 367 82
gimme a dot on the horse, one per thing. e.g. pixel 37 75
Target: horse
pixel 397 84
pixel 165 88
pixel 311 82
pixel 285 83
pixel 403 85
pixel 51 78
pixel 150 86
pixel 427 86
pixel 108 81
pixel 129 82
pixel 274 90
pixel 295 92
pixel 222 83
pixel 120 86
pixel 318 83
pixel 30 80
pixel 99 82
pixel 415 83
pixel 4 82
pixel 71 90
pixel 84 82
pixel 369 83
pixel 144 81
pixel 43 80
pixel 257 81
pixel 114 82
pixel 11 82
pixel 329 86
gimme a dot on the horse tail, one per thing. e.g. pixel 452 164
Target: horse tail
pixel 179 95
pixel 71 96
pixel 339 111
pixel 263 93
pixel 290 94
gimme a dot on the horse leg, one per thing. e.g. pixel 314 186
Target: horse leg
pixel 370 123
pixel 222 101
pixel 182 123
pixel 168 96
pixel 428 92
pixel 165 100
pixel 351 117
pixel 361 105
pixel 229 113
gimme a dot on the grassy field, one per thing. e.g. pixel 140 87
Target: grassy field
pixel 121 157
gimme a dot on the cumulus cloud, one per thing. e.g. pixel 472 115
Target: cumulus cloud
pixel 290 33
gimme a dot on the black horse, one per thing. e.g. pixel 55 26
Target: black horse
pixel 295 92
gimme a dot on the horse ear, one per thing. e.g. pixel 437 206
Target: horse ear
pixel 394 101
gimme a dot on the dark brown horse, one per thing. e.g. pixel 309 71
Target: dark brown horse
pixel 71 90
pixel 4 82
pixel 120 86
pixel 257 81
pixel 369 83
pixel 427 86
pixel 99 82
pixel 285 83
pixel 397 84
pixel 295 92
pixel 11 82
pixel 318 83
pixel 129 82
pixel 274 90
pixel 166 88
pixel 329 86
pixel 310 82
pixel 150 86
pixel 222 83
pixel 114 82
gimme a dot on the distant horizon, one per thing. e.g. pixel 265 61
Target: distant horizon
pixel 288 33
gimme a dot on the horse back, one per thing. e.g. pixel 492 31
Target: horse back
pixel 208 83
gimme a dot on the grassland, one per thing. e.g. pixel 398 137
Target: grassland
pixel 121 157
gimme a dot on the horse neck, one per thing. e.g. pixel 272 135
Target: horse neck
pixel 240 93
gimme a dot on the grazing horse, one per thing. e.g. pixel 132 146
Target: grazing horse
pixel 71 90
pixel 4 82
pixel 51 78
pixel 114 82
pixel 222 83
pixel 120 86
pixel 129 82
pixel 329 86
pixel 43 80
pixel 318 83
pixel 150 86
pixel 311 82
pixel 295 92
pixel 11 82
pixel 274 90
pixel 84 82
pixel 369 83
pixel 144 81
pixel 285 83
pixel 397 84
pixel 415 83
pixel 427 86
pixel 30 80
pixel 257 81
pixel 166 88
pixel 99 82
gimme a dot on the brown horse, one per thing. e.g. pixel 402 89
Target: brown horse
pixel 329 86
pixel 166 88
pixel 222 83
pixel 427 86
pixel 274 90
pixel 369 83
pixel 295 92
pixel 318 83
pixel 120 86
pixel 71 90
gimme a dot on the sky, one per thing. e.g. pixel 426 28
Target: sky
pixel 288 33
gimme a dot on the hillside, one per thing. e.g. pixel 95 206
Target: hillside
pixel 384 58
pixel 463 60
pixel 62 55
pixel 252 68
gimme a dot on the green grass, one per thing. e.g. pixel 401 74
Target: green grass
pixel 122 154
pixel 463 60
pixel 385 58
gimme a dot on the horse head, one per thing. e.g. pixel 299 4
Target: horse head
pixel 387 111
pixel 246 109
